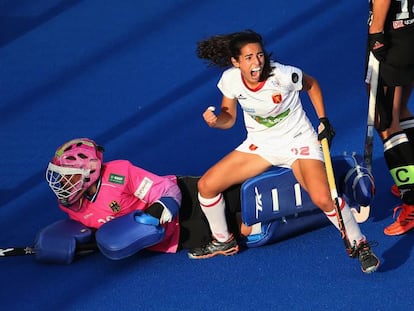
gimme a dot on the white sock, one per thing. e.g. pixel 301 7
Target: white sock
pixel 351 226
pixel 214 209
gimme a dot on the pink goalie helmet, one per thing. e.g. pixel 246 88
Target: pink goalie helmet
pixel 74 168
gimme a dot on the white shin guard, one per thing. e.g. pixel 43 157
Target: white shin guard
pixel 351 226
pixel 214 209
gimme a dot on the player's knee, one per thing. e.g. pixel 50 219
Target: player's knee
pixel 201 185
pixel 323 200
pixel 205 187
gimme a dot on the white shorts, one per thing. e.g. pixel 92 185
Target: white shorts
pixel 284 151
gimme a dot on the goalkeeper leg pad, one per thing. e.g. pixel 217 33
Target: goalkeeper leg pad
pixel 126 235
pixel 273 195
pixel 354 181
pixel 276 201
pixel 282 229
pixel 57 242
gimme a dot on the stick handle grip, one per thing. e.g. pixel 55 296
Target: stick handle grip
pixel 329 168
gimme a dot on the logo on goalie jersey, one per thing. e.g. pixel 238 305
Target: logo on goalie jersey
pixel 143 188
pixel 115 207
pixel 116 179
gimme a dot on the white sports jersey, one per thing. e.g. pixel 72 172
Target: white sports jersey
pixel 274 117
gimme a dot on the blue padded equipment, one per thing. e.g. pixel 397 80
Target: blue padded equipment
pixel 273 195
pixel 171 204
pixel 354 180
pixel 281 229
pixel 276 201
pixel 57 242
pixel 126 235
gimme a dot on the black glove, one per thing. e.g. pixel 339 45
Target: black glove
pixel 160 212
pixel 378 45
pixel 325 130
pixel 155 210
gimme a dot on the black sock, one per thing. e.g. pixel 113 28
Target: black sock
pixel 399 155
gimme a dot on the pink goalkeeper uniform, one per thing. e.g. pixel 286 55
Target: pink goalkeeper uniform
pixel 277 126
pixel 124 188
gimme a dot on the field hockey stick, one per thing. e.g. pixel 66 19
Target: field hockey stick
pixel 369 136
pixel 81 250
pixel 334 194
pixel 364 211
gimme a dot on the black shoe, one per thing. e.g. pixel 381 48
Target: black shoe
pixel 369 261
pixel 214 248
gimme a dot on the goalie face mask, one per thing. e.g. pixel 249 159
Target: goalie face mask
pixel 67 183
pixel 74 168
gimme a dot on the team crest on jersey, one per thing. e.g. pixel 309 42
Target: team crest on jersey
pixel 277 98
pixel 115 207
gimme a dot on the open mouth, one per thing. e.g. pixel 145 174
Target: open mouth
pixel 255 72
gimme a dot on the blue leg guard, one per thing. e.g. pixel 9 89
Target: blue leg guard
pixel 57 242
pixel 276 201
pixel 286 227
pixel 273 195
pixel 354 180
pixel 126 235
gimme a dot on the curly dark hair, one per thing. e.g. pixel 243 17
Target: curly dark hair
pixel 219 49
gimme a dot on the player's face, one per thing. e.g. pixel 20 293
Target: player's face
pixel 71 191
pixel 70 184
pixel 251 62
pixel 70 180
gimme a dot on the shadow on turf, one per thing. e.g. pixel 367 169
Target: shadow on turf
pixel 398 254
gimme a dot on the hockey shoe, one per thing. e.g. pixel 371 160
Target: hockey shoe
pixel 404 222
pixel 214 248
pixel 368 260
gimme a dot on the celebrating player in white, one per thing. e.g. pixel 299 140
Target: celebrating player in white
pixel 279 134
